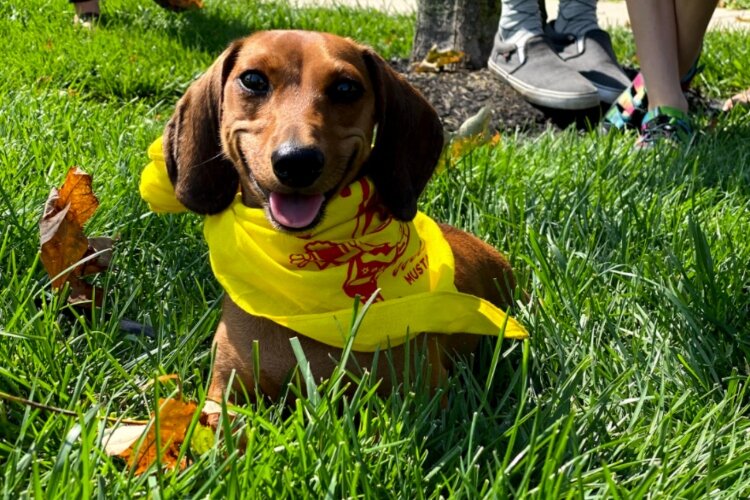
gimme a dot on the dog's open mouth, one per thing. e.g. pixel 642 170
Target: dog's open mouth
pixel 294 210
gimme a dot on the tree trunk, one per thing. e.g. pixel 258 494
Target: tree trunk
pixel 465 25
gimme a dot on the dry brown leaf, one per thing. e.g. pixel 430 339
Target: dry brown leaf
pixel 98 255
pixel 425 67
pixel 437 59
pixel 63 243
pixel 175 416
pixel 445 57
pixel 77 193
pixel 118 440
pixel 741 98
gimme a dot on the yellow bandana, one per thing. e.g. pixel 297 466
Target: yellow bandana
pixel 308 282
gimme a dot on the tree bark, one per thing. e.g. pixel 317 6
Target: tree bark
pixel 465 25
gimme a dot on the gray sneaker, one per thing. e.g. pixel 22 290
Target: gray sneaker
pixel 535 71
pixel 592 56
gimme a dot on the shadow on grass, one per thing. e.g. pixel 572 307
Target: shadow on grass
pixel 208 30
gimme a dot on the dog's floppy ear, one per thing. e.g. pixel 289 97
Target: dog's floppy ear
pixel 408 142
pixel 204 180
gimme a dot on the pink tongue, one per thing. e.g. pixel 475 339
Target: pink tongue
pixel 295 210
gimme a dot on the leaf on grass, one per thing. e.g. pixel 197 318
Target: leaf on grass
pixel 425 67
pixel 444 57
pixel 76 192
pixel 139 449
pixel 473 132
pixel 66 253
pixel 202 440
pixel 98 255
pixel 437 59
pixel 136 443
pixel 118 440
pixel 476 125
pixel 741 98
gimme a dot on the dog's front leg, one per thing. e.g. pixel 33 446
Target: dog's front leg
pixel 233 356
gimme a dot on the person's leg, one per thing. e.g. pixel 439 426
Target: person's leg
pixel 668 36
pixel 519 20
pixel 692 20
pixel 654 25
pixel 576 17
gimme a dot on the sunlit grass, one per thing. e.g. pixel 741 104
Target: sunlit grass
pixel 634 382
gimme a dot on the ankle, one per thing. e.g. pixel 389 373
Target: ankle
pixel 576 17
pixel 676 102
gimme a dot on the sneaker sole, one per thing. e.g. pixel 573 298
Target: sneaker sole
pixel 547 98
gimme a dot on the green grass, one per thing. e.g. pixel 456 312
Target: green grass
pixel 735 4
pixel 634 382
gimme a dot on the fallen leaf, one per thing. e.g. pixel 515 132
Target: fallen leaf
pixel 76 192
pixel 211 414
pixel 473 132
pixel 476 125
pixel 741 98
pixel 137 444
pixel 425 67
pixel 118 440
pixel 202 440
pixel 444 57
pixel 66 253
pixel 100 253
pixel 437 59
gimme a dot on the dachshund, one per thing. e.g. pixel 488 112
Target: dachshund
pixel 285 120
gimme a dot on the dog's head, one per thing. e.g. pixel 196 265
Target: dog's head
pixel 290 118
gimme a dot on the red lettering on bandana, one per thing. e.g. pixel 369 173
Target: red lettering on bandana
pixel 365 261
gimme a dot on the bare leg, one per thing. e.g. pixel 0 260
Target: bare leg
pixel 692 21
pixel 668 37
pixel 654 25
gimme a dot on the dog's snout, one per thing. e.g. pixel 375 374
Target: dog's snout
pixel 297 166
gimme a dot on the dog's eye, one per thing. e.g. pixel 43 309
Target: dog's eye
pixel 254 82
pixel 345 91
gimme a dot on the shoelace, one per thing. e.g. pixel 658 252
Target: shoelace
pixel 665 123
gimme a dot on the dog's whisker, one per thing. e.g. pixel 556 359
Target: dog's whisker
pixel 218 155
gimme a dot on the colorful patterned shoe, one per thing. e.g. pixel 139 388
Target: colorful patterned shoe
pixel 665 123
pixel 630 108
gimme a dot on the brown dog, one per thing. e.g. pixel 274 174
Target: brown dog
pixel 291 117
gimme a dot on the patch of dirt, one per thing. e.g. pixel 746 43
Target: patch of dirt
pixel 459 94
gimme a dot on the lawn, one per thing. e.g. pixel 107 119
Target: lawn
pixel 634 381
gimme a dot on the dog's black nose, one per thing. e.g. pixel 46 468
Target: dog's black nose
pixel 297 166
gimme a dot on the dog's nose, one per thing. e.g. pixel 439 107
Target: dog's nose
pixel 297 166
